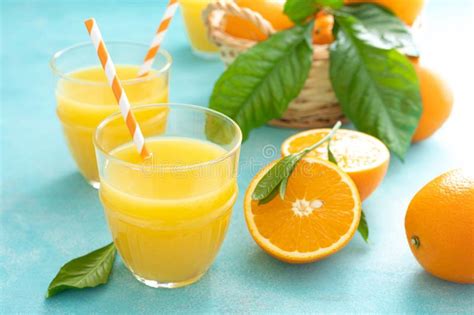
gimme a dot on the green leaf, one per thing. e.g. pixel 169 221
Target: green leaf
pixel 259 85
pixel 383 29
pixel 276 179
pixel 300 10
pixel 273 178
pixel 363 228
pixel 270 197
pixel 218 130
pixel 378 89
pixel 331 156
pixel 87 271
pixel 283 185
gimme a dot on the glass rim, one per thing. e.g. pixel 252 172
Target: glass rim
pixel 66 75
pixel 202 109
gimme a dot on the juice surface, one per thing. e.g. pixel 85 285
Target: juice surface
pixel 168 224
pixel 197 33
pixel 85 99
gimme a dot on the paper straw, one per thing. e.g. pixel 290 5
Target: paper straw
pixel 158 39
pixel 114 82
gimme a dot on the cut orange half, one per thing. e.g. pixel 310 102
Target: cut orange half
pixel 317 218
pixel 363 157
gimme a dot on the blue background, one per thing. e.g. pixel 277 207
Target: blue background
pixel 50 215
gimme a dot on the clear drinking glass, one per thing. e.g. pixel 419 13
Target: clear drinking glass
pixel 191 11
pixel 84 97
pixel 168 215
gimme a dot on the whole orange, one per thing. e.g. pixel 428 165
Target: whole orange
pixel 439 226
pixel 437 101
pixel 406 10
pixel 323 24
pixel 271 10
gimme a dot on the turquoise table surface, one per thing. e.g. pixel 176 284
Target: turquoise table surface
pixel 49 214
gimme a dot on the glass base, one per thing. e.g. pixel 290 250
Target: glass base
pixel 205 54
pixel 167 285
pixel 94 183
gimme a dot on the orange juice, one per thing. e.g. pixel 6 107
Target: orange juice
pixel 197 33
pixel 84 99
pixel 169 219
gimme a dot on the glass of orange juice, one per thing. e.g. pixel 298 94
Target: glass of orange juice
pixel 84 97
pixel 197 33
pixel 168 215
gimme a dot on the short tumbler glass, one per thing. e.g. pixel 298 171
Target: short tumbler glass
pixel 192 12
pixel 168 214
pixel 84 97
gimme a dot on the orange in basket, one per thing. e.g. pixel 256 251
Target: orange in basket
pixel 271 10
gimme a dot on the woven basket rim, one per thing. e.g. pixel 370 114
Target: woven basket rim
pixel 316 106
pixel 214 18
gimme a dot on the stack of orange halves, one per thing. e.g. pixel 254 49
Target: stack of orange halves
pixel 321 208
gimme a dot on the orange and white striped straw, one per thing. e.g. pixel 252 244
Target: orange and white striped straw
pixel 114 82
pixel 158 39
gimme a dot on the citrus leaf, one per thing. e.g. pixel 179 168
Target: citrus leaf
pixel 218 130
pixel 363 227
pixel 273 178
pixel 331 156
pixel 378 89
pixel 384 28
pixel 270 197
pixel 259 85
pixel 86 271
pixel 300 10
pixel 276 179
pixel 283 185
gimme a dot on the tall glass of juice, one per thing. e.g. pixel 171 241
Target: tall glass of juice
pixel 168 214
pixel 191 11
pixel 84 97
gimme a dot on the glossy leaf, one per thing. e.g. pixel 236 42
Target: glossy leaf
pixel 378 89
pixel 86 271
pixel 300 10
pixel 273 178
pixel 363 227
pixel 276 179
pixel 218 130
pixel 270 196
pixel 331 156
pixel 259 85
pixel 383 29
pixel 283 185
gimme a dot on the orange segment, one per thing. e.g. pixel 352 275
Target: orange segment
pixel 318 217
pixel 360 155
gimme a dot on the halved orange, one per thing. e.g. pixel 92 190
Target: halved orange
pixel 317 218
pixel 363 157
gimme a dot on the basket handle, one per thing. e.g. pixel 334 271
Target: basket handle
pixel 215 13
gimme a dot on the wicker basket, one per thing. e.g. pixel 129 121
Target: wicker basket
pixel 316 106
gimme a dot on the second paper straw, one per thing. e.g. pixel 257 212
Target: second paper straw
pixel 118 91
pixel 158 38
